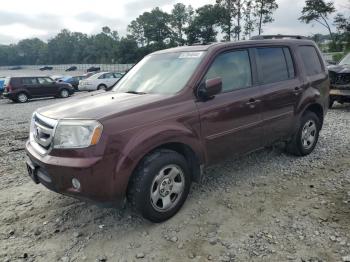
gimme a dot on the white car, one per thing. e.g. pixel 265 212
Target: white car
pixel 99 81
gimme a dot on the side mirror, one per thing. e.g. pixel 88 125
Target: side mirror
pixel 210 88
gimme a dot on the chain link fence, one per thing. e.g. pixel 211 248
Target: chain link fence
pixel 80 67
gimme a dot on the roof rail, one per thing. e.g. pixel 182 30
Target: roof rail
pixel 202 43
pixel 264 37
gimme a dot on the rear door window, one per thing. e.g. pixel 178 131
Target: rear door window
pixel 29 81
pixel 311 60
pixel 275 64
pixel 234 70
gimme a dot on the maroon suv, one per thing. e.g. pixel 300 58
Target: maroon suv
pixel 175 112
pixel 21 89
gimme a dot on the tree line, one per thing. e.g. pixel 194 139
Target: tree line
pixel 183 25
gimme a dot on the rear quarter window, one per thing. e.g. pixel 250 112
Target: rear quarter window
pixel 311 60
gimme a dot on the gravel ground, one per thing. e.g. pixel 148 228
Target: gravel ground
pixel 267 206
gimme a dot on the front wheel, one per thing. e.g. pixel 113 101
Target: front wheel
pixel 160 185
pixel 102 87
pixel 305 139
pixel 64 93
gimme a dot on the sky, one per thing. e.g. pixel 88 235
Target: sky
pixel 21 19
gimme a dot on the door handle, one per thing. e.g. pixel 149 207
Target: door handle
pixel 297 91
pixel 251 103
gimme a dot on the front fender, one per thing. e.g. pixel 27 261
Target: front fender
pixel 144 141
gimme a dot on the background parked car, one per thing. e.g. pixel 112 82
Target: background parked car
pixel 57 77
pixel 73 80
pixel 1 86
pixel 93 69
pixel 21 89
pixel 99 81
pixel 44 68
pixel 72 68
pixel 339 76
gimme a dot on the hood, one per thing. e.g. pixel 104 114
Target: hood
pixel 340 69
pixel 98 105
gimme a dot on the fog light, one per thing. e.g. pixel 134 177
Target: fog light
pixel 76 183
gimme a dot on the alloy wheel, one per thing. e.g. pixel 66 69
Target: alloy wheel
pixel 167 188
pixel 308 135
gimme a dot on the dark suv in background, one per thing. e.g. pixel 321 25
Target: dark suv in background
pixel 21 89
pixel 176 112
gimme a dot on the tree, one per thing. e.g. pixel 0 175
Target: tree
pixel 203 26
pixel 231 10
pixel 343 28
pixel 29 50
pixel 263 10
pixel 318 11
pixel 249 19
pixel 136 31
pixel 180 17
pixel 152 26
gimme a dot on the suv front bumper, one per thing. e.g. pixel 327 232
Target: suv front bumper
pixel 95 175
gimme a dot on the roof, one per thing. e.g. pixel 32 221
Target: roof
pixel 218 45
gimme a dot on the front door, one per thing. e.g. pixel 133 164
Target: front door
pixel 231 122
pixel 48 87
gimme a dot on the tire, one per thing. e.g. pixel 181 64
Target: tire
pixel 305 139
pixel 22 98
pixel 331 103
pixel 64 93
pixel 160 185
pixel 102 87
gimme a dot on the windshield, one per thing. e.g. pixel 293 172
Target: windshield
pixel 345 60
pixel 160 73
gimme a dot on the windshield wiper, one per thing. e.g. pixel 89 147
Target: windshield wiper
pixel 136 93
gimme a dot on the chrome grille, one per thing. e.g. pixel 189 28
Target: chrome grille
pixel 43 129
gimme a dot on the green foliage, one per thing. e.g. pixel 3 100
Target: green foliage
pixel 337 57
pixel 203 27
pixel 263 10
pixel 318 11
pixel 180 17
pixel 147 33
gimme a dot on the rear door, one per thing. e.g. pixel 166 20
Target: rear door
pixel 281 91
pixel 316 75
pixel 231 121
pixel 31 85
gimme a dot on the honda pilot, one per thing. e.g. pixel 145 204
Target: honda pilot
pixel 176 112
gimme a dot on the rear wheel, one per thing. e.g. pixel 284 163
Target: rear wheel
pixel 22 98
pixel 64 93
pixel 160 185
pixel 305 139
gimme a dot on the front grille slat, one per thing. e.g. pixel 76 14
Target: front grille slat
pixel 43 130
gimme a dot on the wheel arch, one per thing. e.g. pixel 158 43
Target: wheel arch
pixel 23 92
pixel 316 109
pixel 188 146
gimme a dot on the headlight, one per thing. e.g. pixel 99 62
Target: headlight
pixel 77 133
